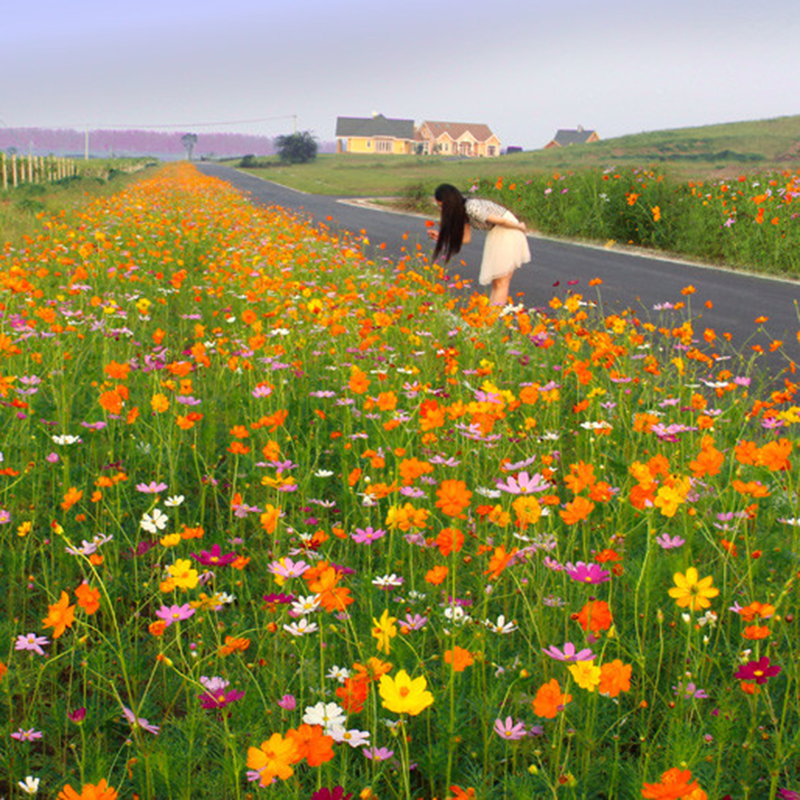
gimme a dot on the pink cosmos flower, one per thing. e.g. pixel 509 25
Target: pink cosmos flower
pixel 509 730
pixel 151 488
pixel 288 702
pixel 31 642
pixel 141 722
pixel 568 653
pixel 523 484
pixel 174 613
pixel 367 535
pixel 30 735
pixel 214 557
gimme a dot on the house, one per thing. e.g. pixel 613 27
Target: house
pixel 456 139
pixel 565 137
pixel 375 134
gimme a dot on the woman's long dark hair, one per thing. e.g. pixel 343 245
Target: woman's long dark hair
pixel 453 220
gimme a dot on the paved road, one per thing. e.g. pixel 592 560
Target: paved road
pixel 628 280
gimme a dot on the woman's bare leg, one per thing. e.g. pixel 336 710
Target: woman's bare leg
pixel 499 294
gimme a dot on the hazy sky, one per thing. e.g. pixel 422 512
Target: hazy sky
pixel 524 67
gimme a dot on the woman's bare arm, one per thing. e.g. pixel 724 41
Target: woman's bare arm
pixel 493 219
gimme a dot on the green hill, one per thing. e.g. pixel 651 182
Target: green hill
pixel 687 153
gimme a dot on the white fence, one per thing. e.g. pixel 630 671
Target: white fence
pixel 34 169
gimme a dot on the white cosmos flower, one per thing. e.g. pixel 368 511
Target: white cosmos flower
pixel 302 627
pixel 323 473
pixel 328 715
pixel 501 626
pixel 155 521
pixel 306 605
pixel 30 785
pixel 65 438
pixel 174 501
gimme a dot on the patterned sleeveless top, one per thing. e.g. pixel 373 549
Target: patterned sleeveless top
pixel 478 209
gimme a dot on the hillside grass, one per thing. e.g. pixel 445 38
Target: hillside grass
pixel 25 208
pixel 706 152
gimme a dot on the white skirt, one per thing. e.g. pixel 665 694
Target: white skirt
pixel 505 250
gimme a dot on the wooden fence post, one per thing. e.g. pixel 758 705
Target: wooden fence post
pixel 5 176
pixel 14 169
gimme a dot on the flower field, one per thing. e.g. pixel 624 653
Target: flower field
pixel 748 221
pixel 279 520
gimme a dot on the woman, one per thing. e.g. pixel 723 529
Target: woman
pixel 506 245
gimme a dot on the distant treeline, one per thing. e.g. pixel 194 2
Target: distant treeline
pixel 65 141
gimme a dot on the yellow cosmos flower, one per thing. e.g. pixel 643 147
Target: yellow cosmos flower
pixel 384 631
pixel 182 574
pixel 692 593
pixel 402 695
pixel 586 675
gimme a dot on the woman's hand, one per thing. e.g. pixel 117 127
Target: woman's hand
pixel 433 234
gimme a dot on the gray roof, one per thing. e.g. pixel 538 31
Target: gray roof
pixel 375 126
pixel 565 137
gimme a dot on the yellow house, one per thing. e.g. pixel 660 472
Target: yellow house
pixel 470 140
pixel 374 135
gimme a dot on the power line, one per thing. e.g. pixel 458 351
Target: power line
pixel 198 124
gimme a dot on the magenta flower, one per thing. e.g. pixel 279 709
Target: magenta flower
pixel 31 642
pixel 174 613
pixel 280 598
pixel 288 702
pixel 523 484
pixel 337 793
pixel 214 557
pixel 758 671
pixel 78 715
pixel 367 535
pixel 568 653
pixel 587 573
pixel 509 730
pixel 151 488
pixel 30 735
pixel 220 698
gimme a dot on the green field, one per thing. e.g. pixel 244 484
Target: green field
pixel 708 152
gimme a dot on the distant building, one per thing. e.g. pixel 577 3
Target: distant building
pixel 471 140
pixel 375 134
pixel 565 137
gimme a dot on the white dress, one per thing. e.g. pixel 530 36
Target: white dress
pixel 506 249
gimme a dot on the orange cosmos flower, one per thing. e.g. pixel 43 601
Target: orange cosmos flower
pixel 312 744
pixel 459 658
pixel 60 616
pixel 498 562
pixel 579 509
pixel 89 791
pixel 353 693
pixel 450 540
pixel 233 645
pixel 674 784
pixel 549 700
pixel 273 759
pixel 111 401
pixel 755 632
pixel 595 616
pixel 88 598
pixel 436 575
pixel 72 496
pixel 453 497
pixel 413 468
pixel 615 677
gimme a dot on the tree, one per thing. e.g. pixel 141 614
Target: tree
pixel 189 140
pixel 297 148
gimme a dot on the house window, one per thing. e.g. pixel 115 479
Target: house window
pixel 383 146
pixel 491 150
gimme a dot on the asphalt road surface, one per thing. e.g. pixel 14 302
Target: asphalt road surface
pixel 629 280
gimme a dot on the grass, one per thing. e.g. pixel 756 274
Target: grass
pixel 24 209
pixel 252 481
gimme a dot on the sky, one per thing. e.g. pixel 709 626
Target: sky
pixel 524 67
